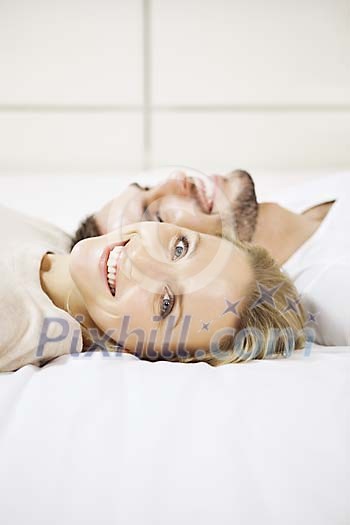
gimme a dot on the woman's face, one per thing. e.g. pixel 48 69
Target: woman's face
pixel 158 288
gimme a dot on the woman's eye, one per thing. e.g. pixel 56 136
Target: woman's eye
pixel 180 248
pixel 166 304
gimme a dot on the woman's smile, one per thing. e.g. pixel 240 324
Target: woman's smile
pixel 109 265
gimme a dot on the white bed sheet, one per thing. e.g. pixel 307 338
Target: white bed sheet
pixel 119 440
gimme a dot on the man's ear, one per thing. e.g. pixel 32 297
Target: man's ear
pixel 239 174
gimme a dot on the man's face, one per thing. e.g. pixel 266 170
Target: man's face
pixel 207 204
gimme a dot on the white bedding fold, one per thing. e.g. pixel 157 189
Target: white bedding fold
pixel 118 440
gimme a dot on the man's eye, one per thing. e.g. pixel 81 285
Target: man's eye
pixel 166 304
pixel 180 248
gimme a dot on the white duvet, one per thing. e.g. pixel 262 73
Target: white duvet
pixel 122 441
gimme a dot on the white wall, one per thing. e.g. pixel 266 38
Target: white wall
pixel 96 86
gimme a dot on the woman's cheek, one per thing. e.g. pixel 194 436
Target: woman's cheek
pixel 74 263
pixel 106 322
pixel 129 318
pixel 83 263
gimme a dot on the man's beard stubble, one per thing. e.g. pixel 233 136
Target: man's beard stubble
pixel 244 206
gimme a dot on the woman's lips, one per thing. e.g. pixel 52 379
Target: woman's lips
pixel 104 267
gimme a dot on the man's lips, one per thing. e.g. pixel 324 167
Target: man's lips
pixel 216 185
pixel 198 186
pixel 221 197
pixel 204 192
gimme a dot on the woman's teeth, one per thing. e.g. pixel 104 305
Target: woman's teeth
pixel 112 268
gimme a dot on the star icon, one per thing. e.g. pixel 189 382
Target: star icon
pixel 311 317
pixel 292 305
pixel 205 326
pixel 266 295
pixel 199 354
pixel 231 307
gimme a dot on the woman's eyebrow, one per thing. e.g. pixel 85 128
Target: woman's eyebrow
pixel 194 243
pixel 179 300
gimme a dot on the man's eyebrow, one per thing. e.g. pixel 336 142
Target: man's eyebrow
pixel 136 185
pixel 139 187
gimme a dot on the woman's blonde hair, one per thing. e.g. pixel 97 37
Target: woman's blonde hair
pixel 271 323
pixel 272 318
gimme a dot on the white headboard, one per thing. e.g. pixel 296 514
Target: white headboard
pixel 93 86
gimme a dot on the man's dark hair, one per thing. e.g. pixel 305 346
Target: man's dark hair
pixel 87 228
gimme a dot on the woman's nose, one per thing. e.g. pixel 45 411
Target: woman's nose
pixel 146 245
pixel 144 262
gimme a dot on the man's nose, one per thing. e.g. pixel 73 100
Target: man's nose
pixel 178 183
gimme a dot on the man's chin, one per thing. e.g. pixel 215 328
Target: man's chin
pixel 244 204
